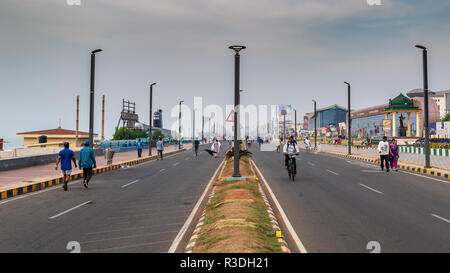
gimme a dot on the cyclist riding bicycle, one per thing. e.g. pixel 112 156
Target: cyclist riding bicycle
pixel 290 150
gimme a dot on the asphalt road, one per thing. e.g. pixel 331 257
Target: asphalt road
pixel 340 205
pixel 137 209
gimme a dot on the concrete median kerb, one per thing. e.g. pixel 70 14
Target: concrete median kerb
pixel 273 220
pixel 40 185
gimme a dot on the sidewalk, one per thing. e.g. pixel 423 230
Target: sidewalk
pixel 439 164
pixel 26 176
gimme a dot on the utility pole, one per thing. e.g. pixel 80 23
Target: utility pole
pixel 77 123
pixel 203 125
pixel 193 126
pixel 295 127
pixel 103 117
pixel 91 106
pixel 179 126
pixel 349 125
pixel 425 102
pixel 150 135
pixel 315 126
pixel 237 89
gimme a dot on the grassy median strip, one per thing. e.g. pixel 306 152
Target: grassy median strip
pixel 236 216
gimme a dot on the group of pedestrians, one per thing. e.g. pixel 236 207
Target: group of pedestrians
pixel 388 154
pixel 86 161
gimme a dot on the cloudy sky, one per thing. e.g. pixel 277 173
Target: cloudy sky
pixel 297 50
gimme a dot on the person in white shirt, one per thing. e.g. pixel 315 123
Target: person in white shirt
pixel 215 147
pixel 290 148
pixel 383 150
pixel 307 143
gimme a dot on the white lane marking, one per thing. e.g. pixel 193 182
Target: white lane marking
pixel 69 210
pixel 312 164
pixel 332 172
pixel 432 178
pixel 127 237
pixel 128 246
pixel 372 189
pixel 143 214
pixel 183 230
pixel 134 228
pixel 187 158
pixel 126 185
pixel 441 218
pixel 289 226
pixel 162 170
pixel 175 164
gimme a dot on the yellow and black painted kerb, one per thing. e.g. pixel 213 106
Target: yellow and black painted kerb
pixel 273 219
pixel 201 222
pixel 56 181
pixel 274 222
pixel 407 168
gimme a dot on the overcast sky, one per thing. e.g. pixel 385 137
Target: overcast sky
pixel 297 50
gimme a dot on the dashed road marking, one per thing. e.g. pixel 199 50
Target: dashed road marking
pixel 128 237
pixel 441 218
pixel 69 210
pixel 129 246
pixel 312 164
pixel 332 172
pixel 126 185
pixel 162 170
pixel 372 189
pixel 175 164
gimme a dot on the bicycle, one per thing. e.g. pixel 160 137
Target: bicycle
pixel 291 170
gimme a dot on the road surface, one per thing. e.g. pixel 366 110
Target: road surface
pixel 137 209
pixel 340 205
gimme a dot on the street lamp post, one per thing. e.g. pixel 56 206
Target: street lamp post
pixel 203 125
pixel 425 101
pixel 236 49
pixel 349 125
pixel 193 126
pixel 91 106
pixel 179 126
pixel 315 125
pixel 150 121
pixel 295 126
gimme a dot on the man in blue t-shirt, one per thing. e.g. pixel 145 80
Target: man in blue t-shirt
pixel 65 156
pixel 139 147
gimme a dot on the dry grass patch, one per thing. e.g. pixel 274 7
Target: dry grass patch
pixel 236 218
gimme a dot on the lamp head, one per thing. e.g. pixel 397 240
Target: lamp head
pixel 96 51
pixel 347 83
pixel 237 48
pixel 421 47
pixel 153 84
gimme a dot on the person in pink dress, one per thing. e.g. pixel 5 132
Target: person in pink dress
pixel 393 154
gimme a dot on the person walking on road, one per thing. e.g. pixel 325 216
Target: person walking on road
pixel 139 147
pixel 215 147
pixel 383 150
pixel 196 145
pixel 160 148
pixel 393 155
pixel 87 161
pixel 66 156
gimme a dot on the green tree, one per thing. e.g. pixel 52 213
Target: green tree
pixel 446 117
pixel 125 133
pixel 157 134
